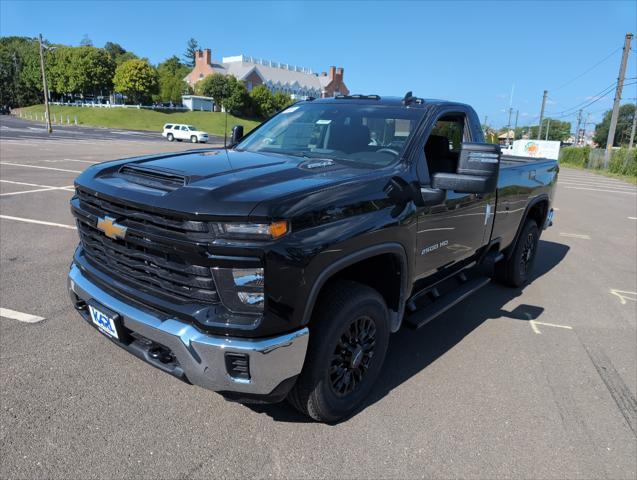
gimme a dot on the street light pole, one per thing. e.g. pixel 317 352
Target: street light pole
pixel 46 90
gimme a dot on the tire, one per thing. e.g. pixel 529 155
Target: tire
pixel 335 380
pixel 515 271
pixel 170 137
pixel 193 139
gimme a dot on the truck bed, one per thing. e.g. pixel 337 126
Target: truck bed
pixel 520 182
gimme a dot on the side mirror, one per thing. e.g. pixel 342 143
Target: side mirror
pixel 237 134
pixel 478 168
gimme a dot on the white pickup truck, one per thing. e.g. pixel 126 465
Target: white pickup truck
pixel 181 132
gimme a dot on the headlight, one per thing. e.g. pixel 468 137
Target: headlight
pixel 252 231
pixel 240 289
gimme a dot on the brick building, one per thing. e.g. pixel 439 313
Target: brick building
pixel 298 82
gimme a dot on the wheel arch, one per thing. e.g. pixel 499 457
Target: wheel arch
pixel 397 291
pixel 538 209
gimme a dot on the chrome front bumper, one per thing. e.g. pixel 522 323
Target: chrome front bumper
pixel 200 357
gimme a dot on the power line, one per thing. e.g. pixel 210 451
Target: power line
pixel 596 99
pixel 579 105
pixel 588 70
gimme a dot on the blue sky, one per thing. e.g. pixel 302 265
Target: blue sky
pixel 475 52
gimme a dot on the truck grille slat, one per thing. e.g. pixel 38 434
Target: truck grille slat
pixel 141 260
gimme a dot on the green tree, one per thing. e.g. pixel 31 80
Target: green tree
pixel 238 99
pixel 624 125
pixel 215 86
pixel 558 130
pixel 171 88
pixel 82 70
pixel 173 66
pixel 171 84
pixel 262 101
pixel 114 50
pixel 191 52
pixel 281 101
pixel 118 53
pixel 20 77
pixel 136 79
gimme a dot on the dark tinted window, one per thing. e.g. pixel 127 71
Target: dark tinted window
pixel 359 133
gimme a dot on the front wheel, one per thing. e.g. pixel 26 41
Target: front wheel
pixel 515 271
pixel 193 139
pixel 350 335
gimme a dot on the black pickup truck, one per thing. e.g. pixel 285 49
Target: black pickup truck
pixel 278 267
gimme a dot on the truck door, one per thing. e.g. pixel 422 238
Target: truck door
pixel 454 230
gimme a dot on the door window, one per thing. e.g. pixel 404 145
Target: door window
pixel 442 149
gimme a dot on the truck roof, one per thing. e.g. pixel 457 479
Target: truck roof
pixel 388 101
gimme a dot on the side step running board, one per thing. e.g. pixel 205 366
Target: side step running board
pixel 425 315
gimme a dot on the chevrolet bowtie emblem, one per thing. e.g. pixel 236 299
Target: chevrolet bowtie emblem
pixel 110 228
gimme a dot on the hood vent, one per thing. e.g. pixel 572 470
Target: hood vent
pixel 151 177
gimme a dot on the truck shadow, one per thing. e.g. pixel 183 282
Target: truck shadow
pixel 410 351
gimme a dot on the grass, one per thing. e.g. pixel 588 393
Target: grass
pixel 141 119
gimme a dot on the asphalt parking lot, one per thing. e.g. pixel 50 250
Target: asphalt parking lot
pixel 532 383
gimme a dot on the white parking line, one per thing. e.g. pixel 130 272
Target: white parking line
pixel 632 218
pixel 586 184
pixel 41 188
pixel 43 168
pixel 575 235
pixel 19 316
pixel 51 189
pixel 602 190
pixel 82 161
pixel 39 222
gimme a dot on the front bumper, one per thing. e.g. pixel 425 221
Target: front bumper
pixel 195 356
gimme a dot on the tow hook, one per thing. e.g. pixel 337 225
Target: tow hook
pixel 161 353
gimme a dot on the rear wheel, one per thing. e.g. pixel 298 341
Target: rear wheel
pixel 349 339
pixel 170 137
pixel 193 139
pixel 515 271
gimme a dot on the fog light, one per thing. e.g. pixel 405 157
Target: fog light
pixel 241 289
pixel 252 299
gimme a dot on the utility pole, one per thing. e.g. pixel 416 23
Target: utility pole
pixel 515 129
pixel 579 122
pixel 618 96
pixel 548 127
pixel 46 90
pixel 632 130
pixel 486 117
pixel 586 122
pixel 539 130
pixel 509 124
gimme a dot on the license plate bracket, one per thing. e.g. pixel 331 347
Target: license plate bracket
pixel 105 320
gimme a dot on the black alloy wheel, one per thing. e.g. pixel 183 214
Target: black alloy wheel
pixel 352 356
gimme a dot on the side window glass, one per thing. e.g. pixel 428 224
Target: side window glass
pixel 442 149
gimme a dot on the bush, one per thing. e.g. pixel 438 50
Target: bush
pixel 577 156
pixel 624 162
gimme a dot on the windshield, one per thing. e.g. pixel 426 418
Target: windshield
pixel 191 128
pixel 365 134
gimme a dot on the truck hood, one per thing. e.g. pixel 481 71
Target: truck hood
pixel 214 183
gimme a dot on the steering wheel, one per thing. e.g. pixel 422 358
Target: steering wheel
pixel 388 150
